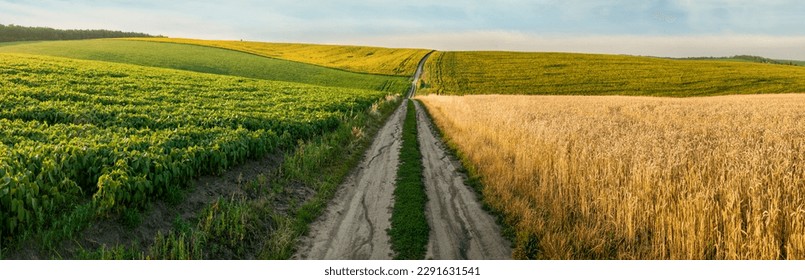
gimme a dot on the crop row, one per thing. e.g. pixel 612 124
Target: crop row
pixel 118 136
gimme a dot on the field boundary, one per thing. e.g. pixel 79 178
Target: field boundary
pixel 473 178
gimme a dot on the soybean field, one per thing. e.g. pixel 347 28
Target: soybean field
pixel 111 137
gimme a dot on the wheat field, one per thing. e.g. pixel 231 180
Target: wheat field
pixel 614 177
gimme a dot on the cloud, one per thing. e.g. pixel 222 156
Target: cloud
pixel 656 27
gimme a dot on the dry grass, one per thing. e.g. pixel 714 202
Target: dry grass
pixel 638 177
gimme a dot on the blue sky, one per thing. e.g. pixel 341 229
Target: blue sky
pixel 653 27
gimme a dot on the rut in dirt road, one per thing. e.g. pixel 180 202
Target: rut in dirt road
pixel 459 227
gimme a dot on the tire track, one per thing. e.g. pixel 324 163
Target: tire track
pixel 354 225
pixel 460 228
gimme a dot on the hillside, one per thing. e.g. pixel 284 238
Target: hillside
pixel 467 73
pixel 208 60
pixel 373 60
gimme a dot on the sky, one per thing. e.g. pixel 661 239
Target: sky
pixel 680 28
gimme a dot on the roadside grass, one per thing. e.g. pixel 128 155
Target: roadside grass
pixel 409 230
pixel 113 253
pixel 208 60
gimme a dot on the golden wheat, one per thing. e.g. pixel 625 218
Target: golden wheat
pixel 638 177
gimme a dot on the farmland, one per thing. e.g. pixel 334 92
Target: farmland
pixel 614 177
pixel 101 131
pixel 467 73
pixel 372 60
pixel 208 60
pixel 114 137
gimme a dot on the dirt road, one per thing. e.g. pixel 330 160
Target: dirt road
pixel 459 228
pixel 355 223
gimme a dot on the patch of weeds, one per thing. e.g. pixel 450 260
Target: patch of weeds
pixel 227 222
pixel 115 253
pixel 277 189
pixel 178 246
pixel 182 226
pixel 280 243
pixel 256 187
pixel 66 226
pixel 130 218
pixel 174 195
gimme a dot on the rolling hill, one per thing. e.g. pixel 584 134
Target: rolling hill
pixel 373 60
pixel 207 60
pixel 469 73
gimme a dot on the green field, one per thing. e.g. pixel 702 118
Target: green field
pixel 469 73
pixel 361 59
pixel 116 136
pixel 207 60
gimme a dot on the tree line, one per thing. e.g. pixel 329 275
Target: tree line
pixel 748 58
pixel 12 33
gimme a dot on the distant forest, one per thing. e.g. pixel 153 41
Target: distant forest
pixel 12 33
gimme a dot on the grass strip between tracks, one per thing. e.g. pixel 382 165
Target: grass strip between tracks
pixel 409 225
